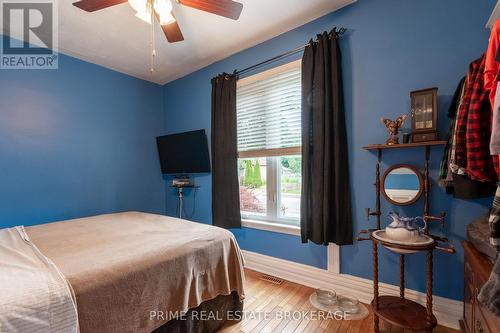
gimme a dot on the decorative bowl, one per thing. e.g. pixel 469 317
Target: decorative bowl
pixel 326 296
pixel 422 240
pixel 348 304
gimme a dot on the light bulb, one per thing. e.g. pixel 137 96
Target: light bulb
pixel 164 10
pixel 142 8
pixel 145 16
pixel 138 5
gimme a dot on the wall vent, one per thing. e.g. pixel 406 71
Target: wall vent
pixel 272 279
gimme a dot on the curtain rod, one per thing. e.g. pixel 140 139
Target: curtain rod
pixel 340 32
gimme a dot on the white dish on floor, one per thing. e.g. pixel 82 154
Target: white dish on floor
pixel 326 296
pixel 348 304
pixel 421 240
pixel 336 312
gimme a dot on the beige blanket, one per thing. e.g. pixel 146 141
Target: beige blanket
pixel 124 267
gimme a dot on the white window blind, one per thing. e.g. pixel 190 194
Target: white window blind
pixel 269 112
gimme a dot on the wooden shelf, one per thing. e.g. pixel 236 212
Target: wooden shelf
pixel 403 313
pixel 404 145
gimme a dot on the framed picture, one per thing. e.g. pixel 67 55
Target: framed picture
pixel 424 114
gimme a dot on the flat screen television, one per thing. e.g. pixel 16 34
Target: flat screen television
pixel 184 153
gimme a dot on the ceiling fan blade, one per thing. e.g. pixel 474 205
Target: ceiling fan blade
pixel 227 8
pixel 172 30
pixel 94 5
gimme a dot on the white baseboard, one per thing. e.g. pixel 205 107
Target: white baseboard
pixel 447 311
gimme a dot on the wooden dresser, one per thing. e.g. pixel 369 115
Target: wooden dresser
pixel 477 268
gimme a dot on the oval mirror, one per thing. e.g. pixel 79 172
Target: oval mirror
pixel 402 184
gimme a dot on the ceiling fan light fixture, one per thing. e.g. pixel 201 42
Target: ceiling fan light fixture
pixel 164 10
pixel 138 5
pixel 144 16
pixel 142 8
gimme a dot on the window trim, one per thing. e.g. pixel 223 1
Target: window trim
pixel 270 152
pixel 271 226
pixel 268 73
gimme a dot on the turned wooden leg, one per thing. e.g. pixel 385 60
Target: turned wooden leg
pixel 429 286
pixel 375 286
pixel 402 276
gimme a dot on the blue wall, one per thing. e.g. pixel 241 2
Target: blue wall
pixel 77 141
pixel 392 48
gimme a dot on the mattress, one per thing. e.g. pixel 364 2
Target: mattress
pixel 126 268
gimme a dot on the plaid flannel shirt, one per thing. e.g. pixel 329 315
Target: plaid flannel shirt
pixel 495 222
pixel 445 179
pixel 473 129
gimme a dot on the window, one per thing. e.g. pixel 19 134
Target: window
pixel 269 140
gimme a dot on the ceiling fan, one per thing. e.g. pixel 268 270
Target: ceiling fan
pixel 162 11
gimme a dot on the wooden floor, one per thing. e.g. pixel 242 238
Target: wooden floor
pixel 263 297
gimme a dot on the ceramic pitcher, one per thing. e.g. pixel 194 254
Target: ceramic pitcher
pixel 403 229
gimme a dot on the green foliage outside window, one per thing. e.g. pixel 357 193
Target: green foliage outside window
pixel 257 178
pixel 253 177
pixel 292 163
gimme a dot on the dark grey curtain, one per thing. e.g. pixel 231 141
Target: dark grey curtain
pixel 225 187
pixel 326 199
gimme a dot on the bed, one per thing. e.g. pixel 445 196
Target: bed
pixel 137 272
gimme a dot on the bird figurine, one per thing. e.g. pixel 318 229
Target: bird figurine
pixel 393 127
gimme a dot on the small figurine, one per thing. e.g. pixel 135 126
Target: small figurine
pixel 393 126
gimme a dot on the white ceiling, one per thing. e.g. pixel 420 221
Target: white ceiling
pixel 114 38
